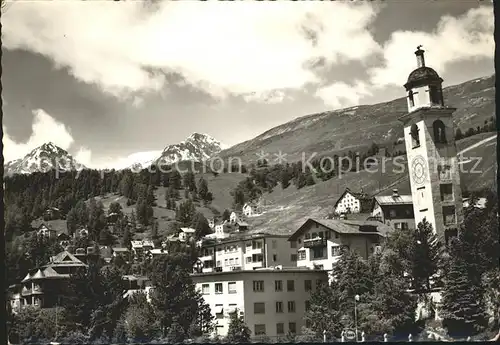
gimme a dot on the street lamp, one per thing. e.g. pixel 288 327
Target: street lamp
pixel 356 299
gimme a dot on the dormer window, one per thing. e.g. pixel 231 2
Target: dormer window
pixel 439 132
pixel 415 136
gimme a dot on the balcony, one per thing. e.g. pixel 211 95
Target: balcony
pixel 206 257
pixel 315 242
pixel 254 250
pixel 26 291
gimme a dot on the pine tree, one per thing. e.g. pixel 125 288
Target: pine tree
pixel 392 308
pixel 238 331
pixel 426 256
pixel 185 213
pixel 226 215
pixel 285 179
pixel 203 189
pixel 462 306
pixel 140 322
pixel 324 312
pixel 127 238
pixel 200 224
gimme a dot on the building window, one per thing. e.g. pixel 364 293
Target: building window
pixel 435 95
pixel 292 327
pixel 258 286
pixel 275 257
pixel 249 259
pixel 439 132
pixel 280 328
pixel 293 244
pixel 319 282
pixel 219 311
pixel 274 244
pixel 219 263
pixel 404 226
pixel 205 289
pixel 336 250
pixel 293 257
pixel 256 244
pixel 259 308
pixel 415 136
pixel 444 171
pixel 218 288
pixel 257 258
pixel 260 329
pixel 308 236
pixel 392 213
pixel 291 306
pixel 290 285
pixel 278 285
pixel 225 262
pixel 318 253
pixel 308 305
pixel 397 226
pixel 307 285
pixel 302 254
pixel 446 192
pixel 279 307
pixel 231 287
pixel 449 215
pixel 411 99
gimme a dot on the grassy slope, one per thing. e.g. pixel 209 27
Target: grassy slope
pixel 356 127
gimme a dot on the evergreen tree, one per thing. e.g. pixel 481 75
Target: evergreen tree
pixel 175 298
pixel 185 213
pixel 203 189
pixel 200 224
pixel 176 334
pixel 238 331
pixel 426 256
pixel 141 324
pixel 285 179
pixel 324 312
pixel 72 221
pixel 226 215
pixel 115 207
pixel 392 308
pixel 462 306
pixel 126 239
pixel 150 197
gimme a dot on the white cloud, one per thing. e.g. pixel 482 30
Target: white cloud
pixel 222 47
pixel 143 158
pixel 44 129
pixel 455 39
pixel 83 156
pixel 341 95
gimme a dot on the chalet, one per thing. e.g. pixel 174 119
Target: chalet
pixel 117 251
pixel 64 239
pixel 41 288
pixel 223 229
pixel 394 210
pixel 46 231
pixel 241 226
pixel 141 247
pixel 186 233
pixel 319 242
pixel 251 209
pixel 51 213
pixel 156 252
pixel 136 284
pixel 211 223
pixel 352 202
pixel 235 216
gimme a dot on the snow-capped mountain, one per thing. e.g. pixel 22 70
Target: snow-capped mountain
pixel 42 159
pixel 197 147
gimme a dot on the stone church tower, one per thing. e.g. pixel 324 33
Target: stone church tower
pixel 431 152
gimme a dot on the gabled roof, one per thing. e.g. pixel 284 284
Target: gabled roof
pixel 362 197
pixel 343 227
pixel 242 223
pixel 65 258
pixel 391 200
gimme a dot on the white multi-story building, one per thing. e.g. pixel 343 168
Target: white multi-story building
pixel 351 202
pixel 243 251
pixel 319 242
pixel 272 301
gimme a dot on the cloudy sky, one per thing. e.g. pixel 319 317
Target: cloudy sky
pixel 114 82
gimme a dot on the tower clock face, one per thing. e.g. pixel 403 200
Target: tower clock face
pixel 418 169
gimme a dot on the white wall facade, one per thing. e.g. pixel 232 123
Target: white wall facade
pixel 348 203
